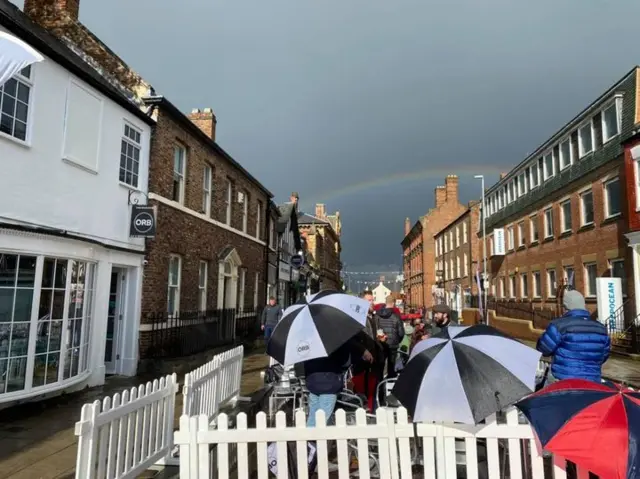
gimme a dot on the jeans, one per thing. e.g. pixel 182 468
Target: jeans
pixel 391 362
pixel 267 332
pixel 321 402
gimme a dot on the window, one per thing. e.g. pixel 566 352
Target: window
pixel 512 280
pixel 457 236
pixel 521 233
pixel 548 223
pixel 549 169
pixel 534 179
pixel 259 219
pixel 206 190
pixel 610 122
pixel 228 202
pixel 617 271
pixel 130 147
pixel 503 291
pixel 565 154
pixel 511 238
pixel 524 285
pixel 466 265
pixel 565 216
pixel 175 275
pixel 522 184
pixel 586 208
pixel 465 233
pixel 537 287
pixel 458 271
pixel 179 165
pixel 533 228
pixel 15 96
pixel 245 211
pixel 272 233
pixel 242 276
pixel 590 275
pixel 256 288
pixel 612 198
pixel 82 125
pixel 446 271
pixel 585 139
pixel 552 286
pixel 569 276
pixel 202 285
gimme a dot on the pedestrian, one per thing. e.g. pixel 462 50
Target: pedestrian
pixel 368 370
pixel 577 344
pixel 271 315
pixel 441 319
pixel 393 329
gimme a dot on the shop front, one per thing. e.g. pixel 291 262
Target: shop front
pixel 284 284
pixel 68 313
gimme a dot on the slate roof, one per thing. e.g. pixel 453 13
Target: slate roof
pixel 307 219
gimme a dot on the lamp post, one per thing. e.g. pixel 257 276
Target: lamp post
pixel 484 249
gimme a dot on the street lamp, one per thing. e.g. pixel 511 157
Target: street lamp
pixel 484 249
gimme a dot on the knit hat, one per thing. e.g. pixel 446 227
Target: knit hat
pixel 573 300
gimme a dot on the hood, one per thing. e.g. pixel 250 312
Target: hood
pixel 577 313
pixel 386 312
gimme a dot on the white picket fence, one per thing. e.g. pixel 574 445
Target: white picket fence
pixel 122 436
pixel 389 437
pixel 214 384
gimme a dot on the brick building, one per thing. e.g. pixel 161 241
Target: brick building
pixel 321 233
pixel 562 208
pixel 632 175
pixel 418 245
pixel 457 254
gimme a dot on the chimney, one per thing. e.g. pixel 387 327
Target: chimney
pixel 441 196
pixel 503 175
pixel 407 225
pixel 48 12
pixel 205 120
pixel 451 182
pixel 294 199
pixel 320 211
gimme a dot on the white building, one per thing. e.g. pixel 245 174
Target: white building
pixel 72 150
pixel 380 293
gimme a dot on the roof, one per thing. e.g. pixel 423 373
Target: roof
pixel 24 28
pixel 286 211
pixel 307 219
pixel 187 124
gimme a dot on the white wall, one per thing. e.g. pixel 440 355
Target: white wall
pixel 41 188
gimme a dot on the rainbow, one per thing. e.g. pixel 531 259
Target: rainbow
pixel 430 173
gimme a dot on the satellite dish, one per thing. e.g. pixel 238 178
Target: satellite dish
pixel 15 55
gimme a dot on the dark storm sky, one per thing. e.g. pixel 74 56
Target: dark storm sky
pixel 366 105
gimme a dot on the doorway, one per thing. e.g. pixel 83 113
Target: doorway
pixel 114 319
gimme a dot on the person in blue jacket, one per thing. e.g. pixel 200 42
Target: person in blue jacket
pixel 578 344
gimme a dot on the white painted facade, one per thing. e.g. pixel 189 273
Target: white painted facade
pixel 380 293
pixel 64 204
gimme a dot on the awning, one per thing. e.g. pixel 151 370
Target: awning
pixel 14 56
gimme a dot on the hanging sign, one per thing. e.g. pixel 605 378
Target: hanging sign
pixel 143 222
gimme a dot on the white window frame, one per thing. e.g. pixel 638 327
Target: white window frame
pixel 605 184
pixel 521 239
pixel 587 288
pixel 512 286
pixel 503 287
pixel 583 221
pixel 176 286
pixel 522 184
pixel 581 151
pixel 466 265
pixel 546 174
pixel 202 288
pixel 624 280
pixel 563 218
pixel 565 273
pixel 137 146
pixel 562 164
pixel 179 176
pixel 242 279
pixel 458 269
pixel 457 236
pixel 511 238
pixel 534 173
pixel 207 181
pixel 465 233
pixel 552 283
pixel 259 207
pixel 533 226
pixel 524 281
pixel 617 105
pixel 537 285
pixel 548 223
pixel 245 212
pixel 28 82
pixel 229 203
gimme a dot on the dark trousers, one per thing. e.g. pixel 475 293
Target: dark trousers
pixel 392 357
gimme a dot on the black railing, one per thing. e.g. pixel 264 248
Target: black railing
pixel 622 328
pixel 192 332
pixel 539 315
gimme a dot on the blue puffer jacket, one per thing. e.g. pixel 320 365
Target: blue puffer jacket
pixel 579 346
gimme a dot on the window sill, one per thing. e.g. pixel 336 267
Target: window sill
pixel 548 239
pixel 587 227
pixel 79 165
pixel 611 219
pixel 521 247
pixel 533 243
pixel 604 142
pixel 565 234
pixel 17 141
pixel 584 155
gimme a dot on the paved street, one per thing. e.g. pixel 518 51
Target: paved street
pixel 37 440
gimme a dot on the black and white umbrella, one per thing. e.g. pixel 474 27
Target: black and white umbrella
pixel 317 326
pixel 465 374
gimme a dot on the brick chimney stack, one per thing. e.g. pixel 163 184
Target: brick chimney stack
pixel 451 185
pixel 49 12
pixel 441 196
pixel 407 225
pixel 204 119
pixel 320 211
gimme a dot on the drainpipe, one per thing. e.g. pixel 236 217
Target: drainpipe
pixel 267 220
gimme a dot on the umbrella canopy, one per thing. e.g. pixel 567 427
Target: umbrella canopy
pixel 317 326
pixel 596 426
pixel 14 56
pixel 464 374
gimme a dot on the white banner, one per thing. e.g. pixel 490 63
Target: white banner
pixel 498 242
pixel 609 297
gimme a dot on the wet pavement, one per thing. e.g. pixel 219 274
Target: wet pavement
pixel 37 440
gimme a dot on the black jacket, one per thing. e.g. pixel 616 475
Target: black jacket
pixel 392 326
pixel 326 375
pixel 366 340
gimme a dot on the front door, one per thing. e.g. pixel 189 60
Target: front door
pixel 114 320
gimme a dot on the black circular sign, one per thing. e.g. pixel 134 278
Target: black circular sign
pixel 297 260
pixel 143 222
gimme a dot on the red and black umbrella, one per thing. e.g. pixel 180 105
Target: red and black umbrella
pixel 594 425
